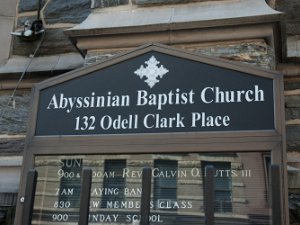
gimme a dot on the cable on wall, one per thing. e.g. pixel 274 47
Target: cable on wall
pixel 31 57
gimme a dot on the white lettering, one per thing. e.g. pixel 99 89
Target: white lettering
pixel 204 95
pixel 159 100
pixel 216 95
pixel 132 173
pixel 103 218
pixel 119 122
pixel 157 121
pixel 53 103
pixel 68 103
pixel 133 192
pixel 136 219
pixel 209 121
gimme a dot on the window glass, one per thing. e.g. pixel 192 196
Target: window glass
pixel 165 188
pixel 222 185
pixel 112 191
pixel 177 188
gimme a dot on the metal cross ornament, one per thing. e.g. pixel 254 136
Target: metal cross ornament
pixel 151 72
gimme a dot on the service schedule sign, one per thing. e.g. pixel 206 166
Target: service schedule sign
pixel 156 93
pixel 177 195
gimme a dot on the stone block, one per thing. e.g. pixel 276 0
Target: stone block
pixel 107 3
pixel 14 115
pixel 292 107
pixel 29 5
pixel 292 84
pixel 256 53
pixel 293 137
pixel 292 113
pixel 293 27
pixel 98 56
pixel 292 101
pixel 67 11
pixel 12 147
pixel 291 9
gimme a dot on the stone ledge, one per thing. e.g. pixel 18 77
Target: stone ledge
pixel 8 161
pixel 172 17
pixel 62 62
pixel 192 23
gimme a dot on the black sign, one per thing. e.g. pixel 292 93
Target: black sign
pixel 156 93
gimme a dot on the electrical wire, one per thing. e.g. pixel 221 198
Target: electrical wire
pixel 31 56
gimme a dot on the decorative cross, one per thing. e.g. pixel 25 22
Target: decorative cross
pixel 151 72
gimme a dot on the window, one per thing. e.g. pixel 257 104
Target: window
pixel 223 185
pixel 176 193
pixel 165 188
pixel 113 186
